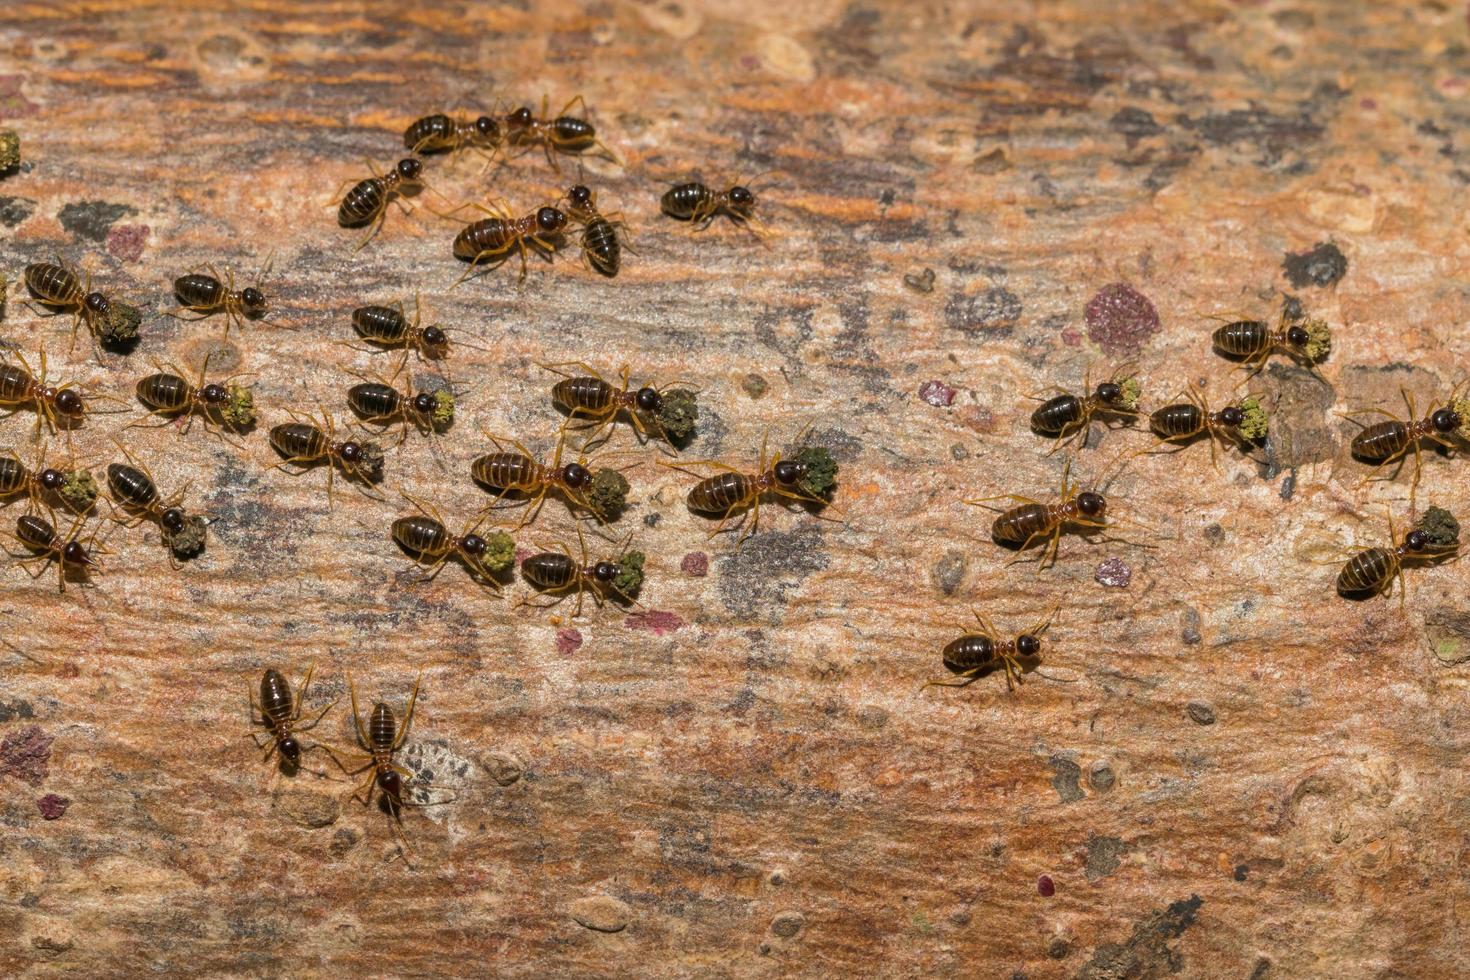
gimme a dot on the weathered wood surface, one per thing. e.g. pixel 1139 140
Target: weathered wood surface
pixel 1242 774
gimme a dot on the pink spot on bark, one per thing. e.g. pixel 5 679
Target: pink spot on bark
pixel 654 620
pixel 1072 337
pixel 567 641
pixel 26 754
pixel 937 393
pixel 695 564
pixel 522 554
pixel 1045 887
pixel 53 806
pixel 1120 319
pixel 127 241
pixel 13 103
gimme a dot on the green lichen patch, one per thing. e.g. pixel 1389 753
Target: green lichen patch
pixel 630 575
pixel 1132 391
pixel 818 472
pixel 189 540
pixel 120 324
pixel 1319 339
pixel 239 408
pixel 1441 527
pixel 1461 407
pixel 78 490
pixel 607 494
pixel 500 552
pixel 9 150
pixel 1256 421
pixel 443 413
pixel 678 413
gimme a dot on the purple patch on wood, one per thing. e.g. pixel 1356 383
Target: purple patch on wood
pixel 1072 337
pixel 1120 319
pixel 937 393
pixel 1113 572
pixel 522 554
pixel 13 103
pixel 53 806
pixel 658 622
pixel 1045 887
pixel 695 564
pixel 127 241
pixel 25 755
pixel 567 641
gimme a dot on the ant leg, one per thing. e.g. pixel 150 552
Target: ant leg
pixel 408 714
pixel 970 676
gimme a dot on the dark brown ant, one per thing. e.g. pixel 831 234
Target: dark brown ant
pixel 602 250
pixel 367 202
pixel 57 286
pixel 1030 520
pixel 426 537
pixel 59 406
pixel 75 487
pixel 207 293
pixel 381 738
pixel 1373 571
pixel 44 544
pixel 441 133
pixel 565 134
pixel 506 472
pixel 1305 340
pixel 1067 415
pixel 1384 442
pixel 732 490
pixel 609 579
pixel 388 327
pixel 494 238
pixel 1180 422
pixel 135 492
pixel 279 713
pixel 377 402
pixel 590 399
pixel 305 442
pixel 975 654
pixel 699 204
pixel 170 396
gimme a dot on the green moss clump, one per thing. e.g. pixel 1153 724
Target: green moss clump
pixel 1256 420
pixel 120 324
pixel 630 574
pixel 607 493
pixel 9 150
pixel 443 413
pixel 500 552
pixel 1132 391
pixel 189 541
pixel 1461 407
pixel 678 413
pixel 1441 526
pixel 818 472
pixel 79 490
pixel 1319 339
pixel 239 408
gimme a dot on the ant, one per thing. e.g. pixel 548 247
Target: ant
pixel 602 493
pixel 367 202
pixel 56 405
pixel 699 204
pixel 973 655
pixel 206 293
pixel 1306 340
pixel 808 478
pixel 558 572
pixel 1067 415
pixel 304 442
pixel 1372 571
pixel 590 399
pixel 381 738
pixel 134 490
pixel 58 286
pixel 425 536
pixel 565 134
pixel 1031 520
pixel 44 544
pixel 76 487
pixel 1181 422
pixel 1384 442
pixel 377 402
pixel 494 237
pixel 171 396
pixel 388 326
pixel 279 713
pixel 441 133
pixel 601 247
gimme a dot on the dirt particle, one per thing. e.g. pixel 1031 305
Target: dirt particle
pixel 1114 573
pixel 1189 624
pixel 505 769
pixel 922 282
pixel 26 755
pixel 937 393
pixel 695 564
pixel 1101 777
pixel 1059 949
pixel 787 924
pixel 1120 319
pixel 1323 266
pixel 601 913
pixel 991 313
pixel 872 717
pixel 52 807
pixel 308 808
pixel 753 385
pixel 127 241
pixel 656 621
pixel 993 162
pixel 949 571
pixel 344 840
pixel 1147 952
pixel 1242 872
pixel 1065 779
pixel 1200 713
pixel 92 219
pixel 567 641
pixel 1134 124
pixel 1104 854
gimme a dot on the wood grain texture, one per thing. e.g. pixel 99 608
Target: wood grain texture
pixel 1232 773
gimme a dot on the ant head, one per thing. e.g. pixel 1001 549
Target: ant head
pixel 51 479
pixel 290 750
pixel 1091 503
pixel 69 403
pixel 576 475
pixel 96 303
pixel 1028 645
pixel 649 400
pixel 788 472
pixel 423 403
pixel 434 337
pixel 1109 392
pixel 550 220
pixel 1416 540
pixel 605 571
pixel 409 168
pixel 75 554
pixel 253 300
pixel 172 519
pixel 1445 420
pixel 214 393
pixel 392 785
pixel 521 117
pixel 350 452
pixel 580 196
pixel 742 196
pixel 473 545
pixel 487 126
pixel 1232 416
pixel 1297 336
